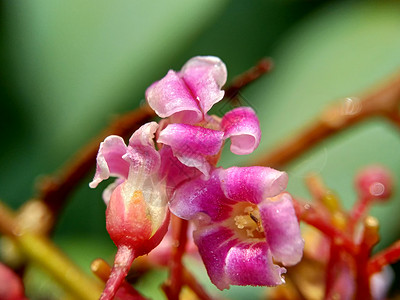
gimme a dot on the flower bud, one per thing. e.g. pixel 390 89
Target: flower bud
pixel 375 182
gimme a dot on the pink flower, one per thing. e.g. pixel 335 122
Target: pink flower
pixel 137 213
pixel 245 223
pixel 185 97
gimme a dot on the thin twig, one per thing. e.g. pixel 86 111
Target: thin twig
pixel 172 287
pixel 308 214
pixel 264 66
pixel 383 258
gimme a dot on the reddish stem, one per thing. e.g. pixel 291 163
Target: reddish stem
pixel 385 257
pixel 102 270
pixel 359 210
pixel 122 263
pixel 369 239
pixel 173 286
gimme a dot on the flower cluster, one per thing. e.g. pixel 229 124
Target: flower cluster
pixel 245 221
pixel 337 262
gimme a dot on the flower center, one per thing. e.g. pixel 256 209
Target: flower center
pixel 248 222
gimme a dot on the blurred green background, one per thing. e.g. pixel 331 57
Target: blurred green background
pixel 68 67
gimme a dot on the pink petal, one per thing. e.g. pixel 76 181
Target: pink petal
pixel 214 243
pixel 251 264
pixel 243 127
pixel 282 229
pixel 252 184
pixel 190 144
pixel 231 262
pixel 201 196
pixel 204 76
pixel 141 154
pixel 170 96
pixel 110 161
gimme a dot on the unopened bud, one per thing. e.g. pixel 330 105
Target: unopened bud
pixel 375 182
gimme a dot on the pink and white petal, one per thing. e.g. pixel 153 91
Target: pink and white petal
pixel 141 155
pixel 144 135
pixel 251 264
pixel 252 184
pixel 282 229
pixel 191 140
pixel 204 76
pixel 110 161
pixel 171 96
pixel 214 243
pixel 243 127
pixel 191 144
pixel 201 196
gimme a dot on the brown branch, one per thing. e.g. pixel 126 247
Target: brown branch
pixel 382 102
pixel 264 66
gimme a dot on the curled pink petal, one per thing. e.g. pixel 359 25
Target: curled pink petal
pixel 251 264
pixel 191 144
pixel 204 76
pixel 201 196
pixel 170 96
pixel 282 229
pixel 252 184
pixel 110 161
pixel 243 127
